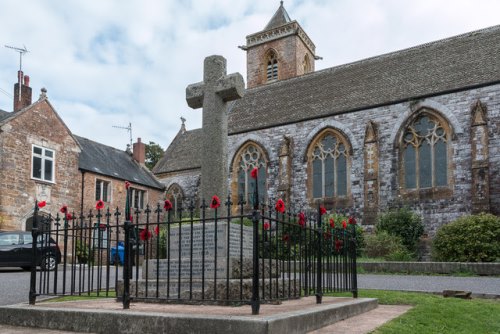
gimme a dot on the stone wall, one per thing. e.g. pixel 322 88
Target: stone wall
pixel 39 125
pixel 436 207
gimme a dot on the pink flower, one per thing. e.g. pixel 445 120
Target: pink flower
pixel 41 204
pixel 168 205
pixel 280 206
pixel 254 173
pixel 99 205
pixel 215 203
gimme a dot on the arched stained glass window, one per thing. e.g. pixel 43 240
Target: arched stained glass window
pixel 272 66
pixel 425 153
pixel 329 165
pixel 175 195
pixel 249 157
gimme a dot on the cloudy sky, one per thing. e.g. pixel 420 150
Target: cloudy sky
pixel 109 63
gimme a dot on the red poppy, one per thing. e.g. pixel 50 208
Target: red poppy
pixel 266 226
pixel 302 219
pixel 286 237
pixel 327 235
pixel 215 203
pixel 41 204
pixel 280 206
pixel 168 205
pixel 99 205
pixel 145 235
pixel 64 209
pixel 332 223
pixel 322 210
pixel 338 244
pixel 69 216
pixel 127 184
pixel 254 173
pixel 157 230
pixel 344 224
pixel 352 221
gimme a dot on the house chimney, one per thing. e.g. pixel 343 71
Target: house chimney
pixel 139 152
pixel 22 92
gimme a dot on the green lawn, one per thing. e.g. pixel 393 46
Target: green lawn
pixel 436 314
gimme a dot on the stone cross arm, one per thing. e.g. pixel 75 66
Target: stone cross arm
pixel 227 87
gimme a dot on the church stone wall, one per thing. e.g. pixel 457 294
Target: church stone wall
pixel 435 208
pixel 188 181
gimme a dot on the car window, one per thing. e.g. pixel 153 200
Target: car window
pixel 28 239
pixel 9 239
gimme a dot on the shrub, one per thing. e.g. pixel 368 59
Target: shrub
pixel 472 238
pixel 382 244
pixel 403 223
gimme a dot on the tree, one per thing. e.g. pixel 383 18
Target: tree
pixel 154 152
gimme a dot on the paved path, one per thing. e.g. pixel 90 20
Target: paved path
pixel 478 285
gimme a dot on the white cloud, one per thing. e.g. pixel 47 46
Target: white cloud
pixel 112 62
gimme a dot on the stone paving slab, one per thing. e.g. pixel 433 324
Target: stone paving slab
pixel 107 316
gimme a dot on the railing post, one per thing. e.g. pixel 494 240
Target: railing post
pixel 319 273
pixel 354 268
pixel 126 265
pixel 34 234
pixel 255 224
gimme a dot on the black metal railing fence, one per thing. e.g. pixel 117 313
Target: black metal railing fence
pixel 197 254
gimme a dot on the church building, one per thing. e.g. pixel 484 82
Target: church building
pixel 417 127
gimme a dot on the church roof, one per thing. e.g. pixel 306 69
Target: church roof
pixel 452 64
pixel 183 153
pixel 279 18
pixel 105 160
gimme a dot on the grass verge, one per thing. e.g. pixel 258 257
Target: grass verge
pixel 436 314
pixel 92 295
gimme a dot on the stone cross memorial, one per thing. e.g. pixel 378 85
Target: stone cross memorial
pixel 213 94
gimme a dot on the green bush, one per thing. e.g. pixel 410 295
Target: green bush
pixel 382 244
pixel 403 223
pixel 472 238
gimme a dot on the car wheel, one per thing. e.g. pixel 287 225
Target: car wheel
pixel 48 262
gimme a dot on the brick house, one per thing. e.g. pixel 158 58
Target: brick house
pixel 416 127
pixel 40 159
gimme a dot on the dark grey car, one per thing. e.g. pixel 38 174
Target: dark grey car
pixel 16 250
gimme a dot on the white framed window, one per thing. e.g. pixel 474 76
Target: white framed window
pixel 42 164
pixel 102 190
pixel 138 198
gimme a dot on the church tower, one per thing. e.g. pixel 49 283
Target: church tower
pixel 281 51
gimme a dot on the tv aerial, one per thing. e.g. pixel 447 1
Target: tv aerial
pixel 21 51
pixel 129 130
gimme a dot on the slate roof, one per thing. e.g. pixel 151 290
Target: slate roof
pixel 4 114
pixel 279 18
pixel 184 153
pixel 109 161
pixel 454 63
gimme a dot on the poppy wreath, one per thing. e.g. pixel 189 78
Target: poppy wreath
pixel 99 205
pixel 254 173
pixel 215 202
pixel 167 205
pixel 280 206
